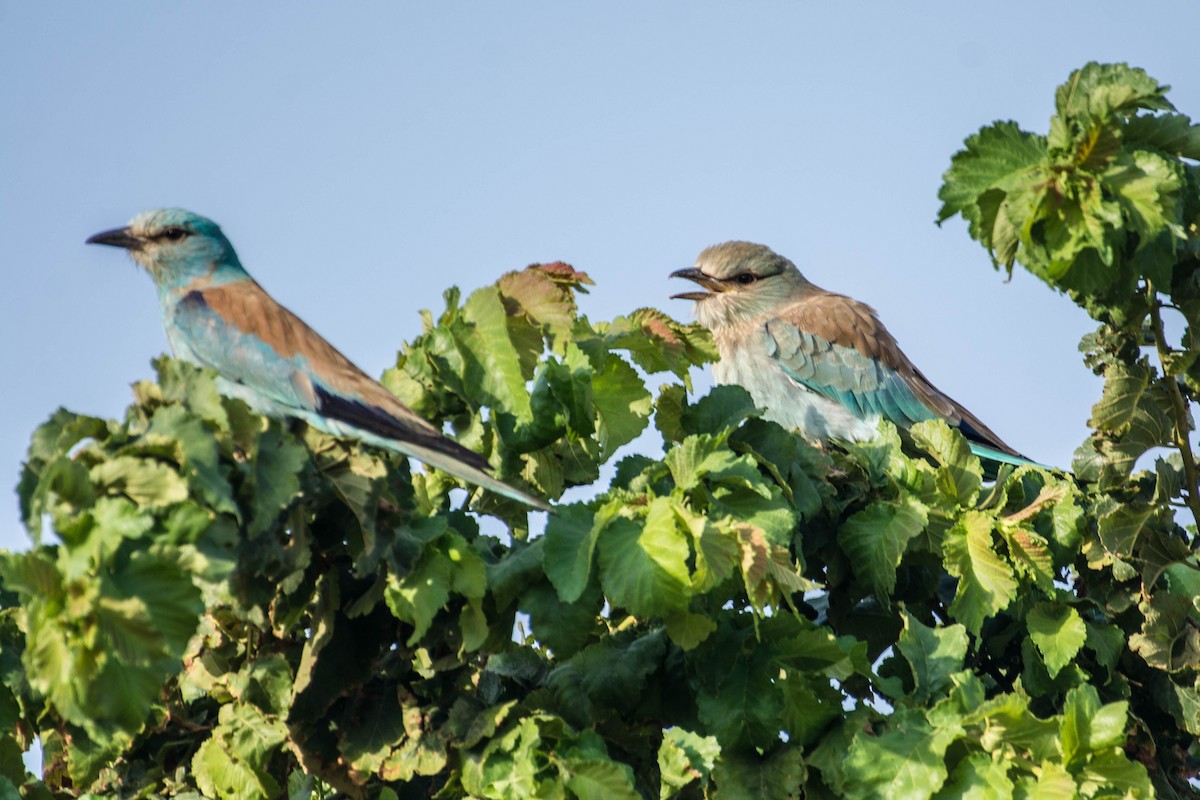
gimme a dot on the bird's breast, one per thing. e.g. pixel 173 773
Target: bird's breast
pixel 746 360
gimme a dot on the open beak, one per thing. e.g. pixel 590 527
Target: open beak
pixel 117 237
pixel 713 285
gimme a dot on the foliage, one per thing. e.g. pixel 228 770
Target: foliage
pixel 235 607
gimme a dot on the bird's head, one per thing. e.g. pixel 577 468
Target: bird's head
pixel 175 246
pixel 741 280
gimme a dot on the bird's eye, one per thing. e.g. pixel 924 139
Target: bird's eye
pixel 746 278
pixel 174 234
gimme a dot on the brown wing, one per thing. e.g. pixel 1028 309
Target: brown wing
pixel 337 388
pixel 844 321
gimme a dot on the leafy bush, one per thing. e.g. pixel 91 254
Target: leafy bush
pixel 239 607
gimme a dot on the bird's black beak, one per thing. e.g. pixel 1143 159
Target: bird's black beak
pixel 117 237
pixel 713 285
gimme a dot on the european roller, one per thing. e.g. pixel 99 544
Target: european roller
pixel 813 360
pixel 217 316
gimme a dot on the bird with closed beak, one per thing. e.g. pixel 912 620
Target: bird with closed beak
pixel 217 316
pixel 812 360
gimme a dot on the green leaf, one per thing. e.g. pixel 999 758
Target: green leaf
pixel 196 452
pixel 875 539
pixel 933 654
pixel 1184 578
pixel 491 362
pixel 87 754
pixel 684 757
pixel 704 457
pixel 571 384
pixel 960 473
pixel 184 383
pixel 739 702
pixel 12 768
pixel 542 300
pixel 994 157
pixel 570 541
pixel 657 343
pixel 1081 703
pixel 231 764
pixel 644 568
pixel 1171 133
pixel 59 434
pixel 171 598
pixel 1151 426
pixel 1030 556
pixel 905 760
pixel 99 649
pixel 1121 528
pixel 115 520
pixel 722 409
pixel 1168 639
pixel 668 412
pixel 420 754
pixel 419 596
pixel 1099 89
pixel 800 469
pixel 1087 727
pixel 469 575
pixel 514 571
pixel 1059 633
pixel 563 627
pixel 985 581
pixel 1124 386
pixel 810 704
pixel 63 487
pixel 1122 776
pixel 272 479
pixel 747 776
pixel 688 630
pixel 979 776
pixel 717 549
pixel 595 779
pixel 1146 186
pixel 768 570
pixel 610 674
pixel 1186 707
pixel 380 728
pixel 1053 783
pixel 266 682
pixel 762 506
pixel 1106 641
pixel 1007 722
pixel 622 405
pixel 148 483
pixel 49 475
pixel 507 767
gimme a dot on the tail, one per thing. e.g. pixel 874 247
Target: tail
pixel 1001 457
pixel 427 446
pixel 470 474
pixel 988 445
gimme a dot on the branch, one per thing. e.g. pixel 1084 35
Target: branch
pixel 1180 429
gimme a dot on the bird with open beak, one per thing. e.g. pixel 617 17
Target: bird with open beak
pixel 812 360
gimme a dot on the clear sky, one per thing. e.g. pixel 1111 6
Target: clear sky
pixel 364 156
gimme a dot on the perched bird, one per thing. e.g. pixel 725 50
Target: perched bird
pixel 218 317
pixel 813 360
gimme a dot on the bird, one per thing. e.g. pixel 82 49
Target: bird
pixel 813 360
pixel 217 316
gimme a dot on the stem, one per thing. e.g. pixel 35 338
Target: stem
pixel 1180 429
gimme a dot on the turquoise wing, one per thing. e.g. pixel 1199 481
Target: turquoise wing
pixel 862 384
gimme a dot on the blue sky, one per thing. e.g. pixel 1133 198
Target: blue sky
pixel 364 156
